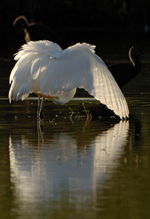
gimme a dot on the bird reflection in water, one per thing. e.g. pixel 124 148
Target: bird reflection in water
pixel 34 170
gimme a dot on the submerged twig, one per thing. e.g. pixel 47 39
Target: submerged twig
pixel 88 114
pixel 71 114
pixel 51 121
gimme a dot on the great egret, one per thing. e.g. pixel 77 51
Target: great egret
pixel 47 70
pixel 123 73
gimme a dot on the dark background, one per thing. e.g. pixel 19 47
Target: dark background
pixel 76 21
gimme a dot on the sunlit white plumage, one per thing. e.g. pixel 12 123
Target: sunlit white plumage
pixel 44 68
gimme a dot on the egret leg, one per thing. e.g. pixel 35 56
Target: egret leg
pixel 40 108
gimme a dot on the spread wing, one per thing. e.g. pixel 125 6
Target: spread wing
pixel 43 67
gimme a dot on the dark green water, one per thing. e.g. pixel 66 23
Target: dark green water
pixel 74 168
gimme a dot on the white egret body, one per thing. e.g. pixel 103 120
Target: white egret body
pixel 47 70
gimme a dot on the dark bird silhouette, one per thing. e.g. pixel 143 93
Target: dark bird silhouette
pixel 34 31
pixel 123 73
